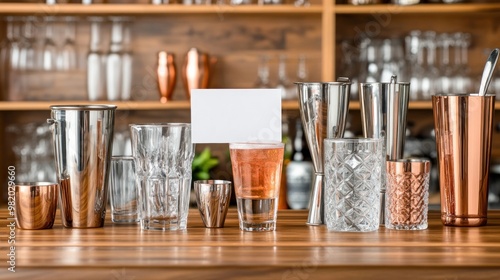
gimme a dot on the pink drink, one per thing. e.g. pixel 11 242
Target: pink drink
pixel 257 176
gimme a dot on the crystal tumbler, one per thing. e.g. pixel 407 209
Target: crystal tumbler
pixel 163 155
pixel 353 180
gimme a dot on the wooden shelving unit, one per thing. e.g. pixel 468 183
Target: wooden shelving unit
pixel 6 106
pixel 465 8
pixel 149 10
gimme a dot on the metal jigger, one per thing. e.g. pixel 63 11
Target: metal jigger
pixel 384 107
pixel 323 111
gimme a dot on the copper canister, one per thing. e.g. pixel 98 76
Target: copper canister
pixel 464 125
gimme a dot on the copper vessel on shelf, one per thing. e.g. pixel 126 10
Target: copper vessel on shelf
pixel 464 126
pixel 166 73
pixel 196 70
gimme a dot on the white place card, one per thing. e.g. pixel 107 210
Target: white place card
pixel 235 115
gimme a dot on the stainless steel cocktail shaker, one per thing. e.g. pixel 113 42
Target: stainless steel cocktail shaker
pixel 83 138
pixel 384 107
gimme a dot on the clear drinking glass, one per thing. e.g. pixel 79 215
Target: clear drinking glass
pixel 163 155
pixel 123 193
pixel 263 73
pixel 353 179
pixel 257 169
pixel 67 57
pixel 287 88
pixel 445 80
pixel 49 52
pixel 407 195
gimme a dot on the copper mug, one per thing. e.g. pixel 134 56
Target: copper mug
pixel 166 74
pixel 36 205
pixel 196 70
pixel 464 126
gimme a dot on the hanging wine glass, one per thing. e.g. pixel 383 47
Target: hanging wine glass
pixel 49 52
pixel 287 90
pixel 68 58
pixel 263 73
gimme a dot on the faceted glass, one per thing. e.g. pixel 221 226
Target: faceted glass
pixel 353 180
pixel 163 155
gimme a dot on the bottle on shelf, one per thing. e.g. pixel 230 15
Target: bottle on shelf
pixel 127 61
pixel 95 63
pixel 282 204
pixel 299 172
pixel 114 61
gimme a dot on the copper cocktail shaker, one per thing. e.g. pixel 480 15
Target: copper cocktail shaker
pixel 166 74
pixel 195 70
pixel 464 125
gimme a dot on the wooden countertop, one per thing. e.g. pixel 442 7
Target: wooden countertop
pixel 293 251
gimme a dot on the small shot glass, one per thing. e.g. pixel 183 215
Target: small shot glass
pixel 407 194
pixel 123 191
pixel 36 204
pixel 212 199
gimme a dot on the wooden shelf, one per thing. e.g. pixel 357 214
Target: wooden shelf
pixel 147 9
pixel 155 105
pixel 122 105
pixel 172 105
pixel 418 9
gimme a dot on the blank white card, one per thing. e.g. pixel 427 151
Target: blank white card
pixel 235 115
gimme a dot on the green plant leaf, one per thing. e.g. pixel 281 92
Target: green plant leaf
pixel 201 175
pixel 201 158
pixel 209 164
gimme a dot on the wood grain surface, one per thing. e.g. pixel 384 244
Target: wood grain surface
pixel 293 251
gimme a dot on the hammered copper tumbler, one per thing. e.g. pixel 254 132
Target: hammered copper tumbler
pixel 407 194
pixel 464 125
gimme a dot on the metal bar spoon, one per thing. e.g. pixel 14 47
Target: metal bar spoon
pixel 489 67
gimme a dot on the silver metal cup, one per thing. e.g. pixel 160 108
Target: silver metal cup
pixel 323 111
pixel 384 107
pixel 212 198
pixel 83 141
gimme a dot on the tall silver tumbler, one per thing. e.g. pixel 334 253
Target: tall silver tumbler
pixel 384 107
pixel 83 138
pixel 323 111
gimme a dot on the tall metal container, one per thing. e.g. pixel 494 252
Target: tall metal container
pixel 83 137
pixel 323 111
pixel 384 107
